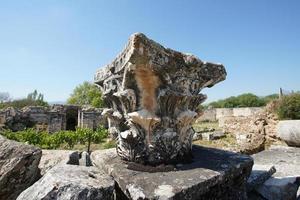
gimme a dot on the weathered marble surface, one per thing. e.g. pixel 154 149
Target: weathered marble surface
pixel 213 174
pixel 18 167
pixel 65 182
pixel 289 131
pixel 153 94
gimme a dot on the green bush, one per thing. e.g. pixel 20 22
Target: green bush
pixel 243 100
pixel 289 107
pixel 57 139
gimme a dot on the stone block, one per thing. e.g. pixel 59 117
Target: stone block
pixel 213 174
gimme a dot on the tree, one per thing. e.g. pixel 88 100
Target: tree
pixel 249 100
pixel 243 100
pixel 289 107
pixel 33 99
pixel 37 98
pixel 86 94
pixel 4 97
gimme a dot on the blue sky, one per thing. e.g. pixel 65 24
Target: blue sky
pixel 52 46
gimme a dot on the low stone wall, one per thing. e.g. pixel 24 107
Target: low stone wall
pixel 214 114
pixel 51 119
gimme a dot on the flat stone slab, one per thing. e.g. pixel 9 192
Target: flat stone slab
pixel 283 185
pixel 213 174
pixel 64 182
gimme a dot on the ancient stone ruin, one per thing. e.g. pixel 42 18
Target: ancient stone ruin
pixel 153 94
pixel 51 119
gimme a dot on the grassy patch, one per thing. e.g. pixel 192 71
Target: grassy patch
pixel 206 126
pixel 227 142
pixel 107 144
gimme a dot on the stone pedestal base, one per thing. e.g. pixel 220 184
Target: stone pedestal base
pixel 213 174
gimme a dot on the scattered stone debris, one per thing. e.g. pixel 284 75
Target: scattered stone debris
pixel 252 132
pixel 18 167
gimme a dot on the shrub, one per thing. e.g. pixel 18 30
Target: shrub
pixel 289 107
pixel 57 139
pixel 243 100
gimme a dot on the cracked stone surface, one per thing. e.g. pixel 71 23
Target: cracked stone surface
pixel 213 174
pixel 18 167
pixel 153 95
pixel 64 182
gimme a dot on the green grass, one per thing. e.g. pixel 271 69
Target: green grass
pixel 206 126
pixel 227 142
pixel 80 147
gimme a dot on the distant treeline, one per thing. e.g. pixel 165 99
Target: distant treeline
pixel 32 99
pixel 243 100
pixel 83 94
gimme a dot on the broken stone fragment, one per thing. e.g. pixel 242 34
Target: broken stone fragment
pixel 156 93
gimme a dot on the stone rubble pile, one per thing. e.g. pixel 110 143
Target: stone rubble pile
pixel 251 132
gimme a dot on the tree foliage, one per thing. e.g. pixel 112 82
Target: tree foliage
pixel 289 107
pixel 86 94
pixel 243 100
pixel 33 99
pixel 4 97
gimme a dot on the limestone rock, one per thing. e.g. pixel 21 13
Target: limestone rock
pixel 18 167
pixel 153 93
pixel 64 182
pixel 197 136
pixel 50 158
pixel 289 131
pixel 85 159
pixel 283 185
pixel 213 174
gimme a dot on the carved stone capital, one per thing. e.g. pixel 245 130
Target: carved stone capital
pixel 155 92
